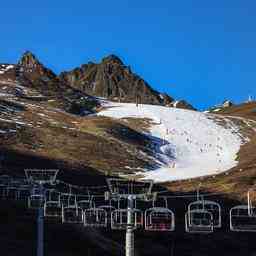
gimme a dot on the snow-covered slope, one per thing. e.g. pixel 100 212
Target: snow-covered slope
pixel 190 143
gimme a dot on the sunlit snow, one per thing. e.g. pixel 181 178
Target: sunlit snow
pixel 191 143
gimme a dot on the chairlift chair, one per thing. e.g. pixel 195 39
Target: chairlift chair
pixel 108 207
pixel 36 199
pixel 85 204
pixel 68 199
pixel 52 209
pixel 52 206
pixel 159 217
pixel 240 220
pixel 5 179
pixel 24 192
pixel 95 217
pixel 12 192
pixel 199 221
pixel 3 191
pixel 52 195
pixel 119 219
pixel 122 188
pixel 72 214
pixel 210 206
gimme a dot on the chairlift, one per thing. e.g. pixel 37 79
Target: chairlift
pixel 85 204
pixel 85 201
pixel 210 206
pixel 36 199
pixel 95 217
pixel 3 191
pixel 159 217
pixel 24 192
pixel 52 195
pixel 72 214
pixel 41 176
pixel 5 179
pixel 52 206
pixel 240 220
pixel 68 199
pixel 119 218
pixel 202 215
pixel 12 192
pixel 52 209
pixel 199 221
pixel 13 189
pixel 108 206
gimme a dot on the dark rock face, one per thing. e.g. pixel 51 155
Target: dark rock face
pixel 113 80
pixel 181 104
pixel 30 69
pixel 30 72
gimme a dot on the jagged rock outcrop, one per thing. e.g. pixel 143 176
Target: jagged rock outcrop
pixel 181 104
pixel 31 73
pixel 113 80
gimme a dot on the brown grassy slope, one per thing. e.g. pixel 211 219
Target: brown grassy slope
pixel 243 110
pixel 98 142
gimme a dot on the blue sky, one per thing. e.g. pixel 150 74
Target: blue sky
pixel 200 50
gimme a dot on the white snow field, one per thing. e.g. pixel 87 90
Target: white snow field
pixel 190 143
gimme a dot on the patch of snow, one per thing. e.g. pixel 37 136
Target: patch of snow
pixel 175 103
pixel 4 68
pixel 189 144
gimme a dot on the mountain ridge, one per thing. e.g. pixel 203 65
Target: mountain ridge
pixel 110 78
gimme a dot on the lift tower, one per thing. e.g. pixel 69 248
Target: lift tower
pixel 39 178
pixel 129 190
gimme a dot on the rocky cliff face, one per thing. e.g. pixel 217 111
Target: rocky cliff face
pixel 110 79
pixel 31 73
pixel 113 80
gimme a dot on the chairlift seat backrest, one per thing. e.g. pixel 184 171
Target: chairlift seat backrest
pixel 5 179
pixel 240 220
pixel 159 219
pixel 199 221
pixel 52 209
pixel 52 195
pixel 209 206
pixel 12 193
pixel 36 201
pixel 68 199
pixel 24 192
pixel 119 218
pixel 84 204
pixel 72 214
pixel 95 217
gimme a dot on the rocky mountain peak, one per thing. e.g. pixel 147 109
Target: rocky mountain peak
pixel 112 59
pixel 112 79
pixel 28 59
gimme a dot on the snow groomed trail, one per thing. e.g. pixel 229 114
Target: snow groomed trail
pixel 191 144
